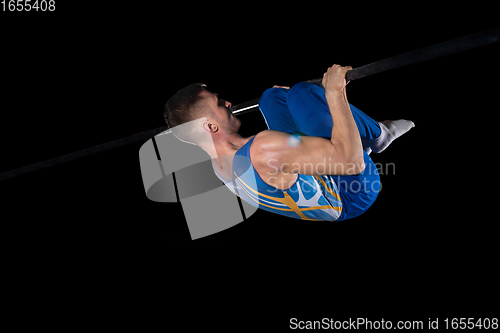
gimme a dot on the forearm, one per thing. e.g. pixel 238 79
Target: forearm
pixel 345 135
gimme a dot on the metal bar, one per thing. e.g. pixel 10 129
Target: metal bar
pixel 405 59
pixel 245 107
pixel 82 153
pixel 427 53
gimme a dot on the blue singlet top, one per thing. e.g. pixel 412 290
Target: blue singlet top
pixel 309 198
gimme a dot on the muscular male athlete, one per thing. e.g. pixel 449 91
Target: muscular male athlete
pixel 311 164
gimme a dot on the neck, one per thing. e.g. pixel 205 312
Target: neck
pixel 224 148
pixel 234 142
pixel 227 145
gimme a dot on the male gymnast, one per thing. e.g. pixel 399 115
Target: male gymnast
pixel 312 164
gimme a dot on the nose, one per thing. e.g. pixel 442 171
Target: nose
pixel 228 104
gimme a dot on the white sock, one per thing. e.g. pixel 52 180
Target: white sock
pixel 391 130
pixel 366 146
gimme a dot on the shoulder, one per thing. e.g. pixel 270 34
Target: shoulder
pixel 269 141
pixel 268 147
pixel 268 153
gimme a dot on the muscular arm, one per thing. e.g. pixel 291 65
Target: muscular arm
pixel 345 135
pixel 342 155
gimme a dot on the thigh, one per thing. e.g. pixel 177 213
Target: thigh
pixel 358 192
pixel 309 110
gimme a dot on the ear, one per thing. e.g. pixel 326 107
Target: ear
pixel 210 127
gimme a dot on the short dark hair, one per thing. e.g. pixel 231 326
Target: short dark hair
pixel 180 107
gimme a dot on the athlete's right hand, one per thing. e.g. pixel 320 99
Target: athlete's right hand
pixel 334 78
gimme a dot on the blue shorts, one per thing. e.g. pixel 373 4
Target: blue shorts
pixel 303 110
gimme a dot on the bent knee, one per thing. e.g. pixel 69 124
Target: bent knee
pixel 271 97
pixel 301 90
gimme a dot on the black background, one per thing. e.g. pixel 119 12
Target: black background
pixel 83 75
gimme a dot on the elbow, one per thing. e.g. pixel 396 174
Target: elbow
pixel 353 161
pixel 355 165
